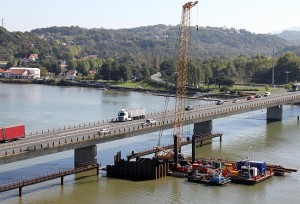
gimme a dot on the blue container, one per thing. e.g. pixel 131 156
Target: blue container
pixel 261 166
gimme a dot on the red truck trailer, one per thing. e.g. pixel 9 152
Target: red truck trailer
pixel 1 134
pixel 12 133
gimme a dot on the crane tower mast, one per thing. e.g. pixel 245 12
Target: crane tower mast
pixel 184 47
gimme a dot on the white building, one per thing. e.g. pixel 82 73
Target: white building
pixel 71 75
pixel 32 73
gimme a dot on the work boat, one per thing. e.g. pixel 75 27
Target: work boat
pixel 251 172
pixel 211 177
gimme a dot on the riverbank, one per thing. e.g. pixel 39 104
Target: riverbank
pixel 148 86
pixel 153 87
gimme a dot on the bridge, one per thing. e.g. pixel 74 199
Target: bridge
pixel 84 138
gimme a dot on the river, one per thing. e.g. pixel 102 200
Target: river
pixel 41 107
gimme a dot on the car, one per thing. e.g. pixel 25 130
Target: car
pixel 258 96
pixel 267 94
pixel 104 131
pixel 235 100
pixel 188 108
pixel 149 122
pixel 250 97
pixel 220 102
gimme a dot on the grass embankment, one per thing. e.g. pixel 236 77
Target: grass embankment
pixel 144 84
pixel 212 89
pixel 150 85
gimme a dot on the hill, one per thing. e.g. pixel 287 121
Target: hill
pixel 146 43
pixel 12 45
pixel 292 36
pixel 142 43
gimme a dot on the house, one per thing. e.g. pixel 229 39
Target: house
pixel 2 72
pixel 93 72
pixel 33 57
pixel 22 72
pixel 63 65
pixel 16 73
pixel 71 75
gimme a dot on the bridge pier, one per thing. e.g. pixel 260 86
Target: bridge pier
pixel 193 149
pixel 274 113
pixel 176 151
pixel 85 155
pixel 20 191
pixel 202 128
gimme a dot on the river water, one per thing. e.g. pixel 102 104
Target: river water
pixel 42 107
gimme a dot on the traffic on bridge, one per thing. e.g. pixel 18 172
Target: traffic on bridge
pixel 68 138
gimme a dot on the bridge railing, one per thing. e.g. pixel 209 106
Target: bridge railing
pixel 88 124
pixel 211 111
pixel 69 140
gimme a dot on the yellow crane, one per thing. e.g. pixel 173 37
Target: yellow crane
pixel 184 48
pixel 182 71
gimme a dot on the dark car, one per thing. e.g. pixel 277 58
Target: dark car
pixel 235 100
pixel 188 108
pixel 251 97
pixel 258 96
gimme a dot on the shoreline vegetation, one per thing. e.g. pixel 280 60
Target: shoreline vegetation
pixel 153 87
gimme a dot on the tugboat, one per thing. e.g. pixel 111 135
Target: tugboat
pixel 213 178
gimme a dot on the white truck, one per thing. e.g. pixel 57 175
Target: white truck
pixel 131 114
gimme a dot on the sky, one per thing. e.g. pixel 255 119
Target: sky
pixel 258 16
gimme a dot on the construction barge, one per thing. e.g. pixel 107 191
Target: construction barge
pixel 247 172
pixel 207 171
pixel 166 162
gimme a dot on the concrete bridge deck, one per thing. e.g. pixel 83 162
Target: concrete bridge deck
pixel 69 138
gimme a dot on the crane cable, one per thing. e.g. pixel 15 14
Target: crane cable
pixel 163 118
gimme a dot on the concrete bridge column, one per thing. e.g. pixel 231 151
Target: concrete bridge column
pixel 175 150
pixel 274 113
pixel 202 128
pixel 85 155
pixel 193 149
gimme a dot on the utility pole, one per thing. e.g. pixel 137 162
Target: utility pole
pixel 25 45
pixel 273 69
pixel 287 76
pixel 2 23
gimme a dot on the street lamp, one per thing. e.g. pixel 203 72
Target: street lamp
pixel 273 69
pixel 287 76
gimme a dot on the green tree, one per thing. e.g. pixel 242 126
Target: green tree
pixel 287 64
pixel 267 87
pixel 43 71
pixel 72 64
pixel 145 72
pixel 105 70
pixel 167 69
pixel 124 72
pixel 9 65
pixel 83 67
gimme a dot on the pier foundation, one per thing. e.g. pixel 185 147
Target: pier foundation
pixel 274 113
pixel 85 155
